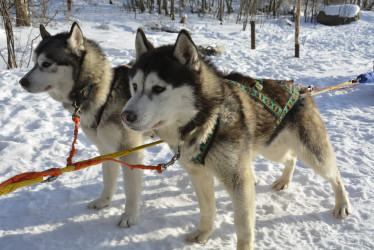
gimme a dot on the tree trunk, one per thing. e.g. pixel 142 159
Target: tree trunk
pixel 69 2
pixel 203 6
pixel 165 7
pixel 172 10
pixel 141 6
pixel 22 13
pixel 221 10
pixel 306 10
pixel 11 63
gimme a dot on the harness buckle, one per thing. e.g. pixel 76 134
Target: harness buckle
pixel 77 111
pixel 172 161
pixel 50 179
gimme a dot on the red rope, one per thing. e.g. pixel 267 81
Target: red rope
pixel 83 164
pixel 31 175
pixel 78 165
pixel 73 151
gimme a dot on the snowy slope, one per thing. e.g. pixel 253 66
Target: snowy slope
pixel 36 134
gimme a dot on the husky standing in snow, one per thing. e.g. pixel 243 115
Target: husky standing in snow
pixel 219 123
pixel 74 71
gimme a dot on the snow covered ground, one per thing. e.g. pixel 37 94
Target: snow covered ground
pixel 36 133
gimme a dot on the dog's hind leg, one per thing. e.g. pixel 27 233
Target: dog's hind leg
pixel 289 166
pixel 203 184
pixel 280 152
pixel 314 149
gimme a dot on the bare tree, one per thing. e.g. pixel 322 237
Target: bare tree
pixel 22 12
pixel 69 2
pixel 172 10
pixel 221 10
pixel 4 11
pixel 159 8
pixel 165 7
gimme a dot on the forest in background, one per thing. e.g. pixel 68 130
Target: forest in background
pixel 35 12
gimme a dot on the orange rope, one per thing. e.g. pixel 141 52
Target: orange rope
pixel 31 178
pixel 31 175
pixel 73 151
pixel 83 164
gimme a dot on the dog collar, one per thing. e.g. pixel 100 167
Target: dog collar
pixel 78 103
pixel 206 146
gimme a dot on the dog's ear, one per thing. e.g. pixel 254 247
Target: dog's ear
pixel 142 45
pixel 185 51
pixel 43 32
pixel 75 40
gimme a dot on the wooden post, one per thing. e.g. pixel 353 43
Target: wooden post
pixel 253 35
pixel 297 29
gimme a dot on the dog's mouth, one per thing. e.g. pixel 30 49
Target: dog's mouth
pixel 158 125
pixel 49 87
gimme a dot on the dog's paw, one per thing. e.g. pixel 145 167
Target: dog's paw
pixel 281 184
pixel 342 211
pixel 99 203
pixel 127 220
pixel 198 236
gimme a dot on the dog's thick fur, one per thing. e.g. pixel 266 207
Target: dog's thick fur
pixel 65 64
pixel 179 94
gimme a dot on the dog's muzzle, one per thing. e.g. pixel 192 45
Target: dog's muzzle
pixel 24 83
pixel 128 117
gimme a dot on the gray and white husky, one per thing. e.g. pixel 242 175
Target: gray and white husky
pixel 219 127
pixel 74 71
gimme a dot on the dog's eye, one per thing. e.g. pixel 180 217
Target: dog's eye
pixel 135 86
pixel 157 89
pixel 46 64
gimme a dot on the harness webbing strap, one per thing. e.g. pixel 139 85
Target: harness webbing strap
pixel 273 107
pixel 291 102
pixel 205 147
pixel 256 94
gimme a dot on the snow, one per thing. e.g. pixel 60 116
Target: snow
pixel 36 134
pixel 345 10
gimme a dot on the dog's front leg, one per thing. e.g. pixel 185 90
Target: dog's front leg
pixel 133 186
pixel 239 184
pixel 110 174
pixel 203 184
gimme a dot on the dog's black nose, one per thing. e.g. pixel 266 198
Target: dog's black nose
pixel 24 83
pixel 128 117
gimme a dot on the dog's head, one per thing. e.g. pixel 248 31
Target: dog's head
pixel 163 84
pixel 53 61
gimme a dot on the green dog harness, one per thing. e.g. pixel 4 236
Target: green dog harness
pixel 278 112
pixel 254 92
pixel 205 147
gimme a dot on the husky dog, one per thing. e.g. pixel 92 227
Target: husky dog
pixel 189 104
pixel 74 71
